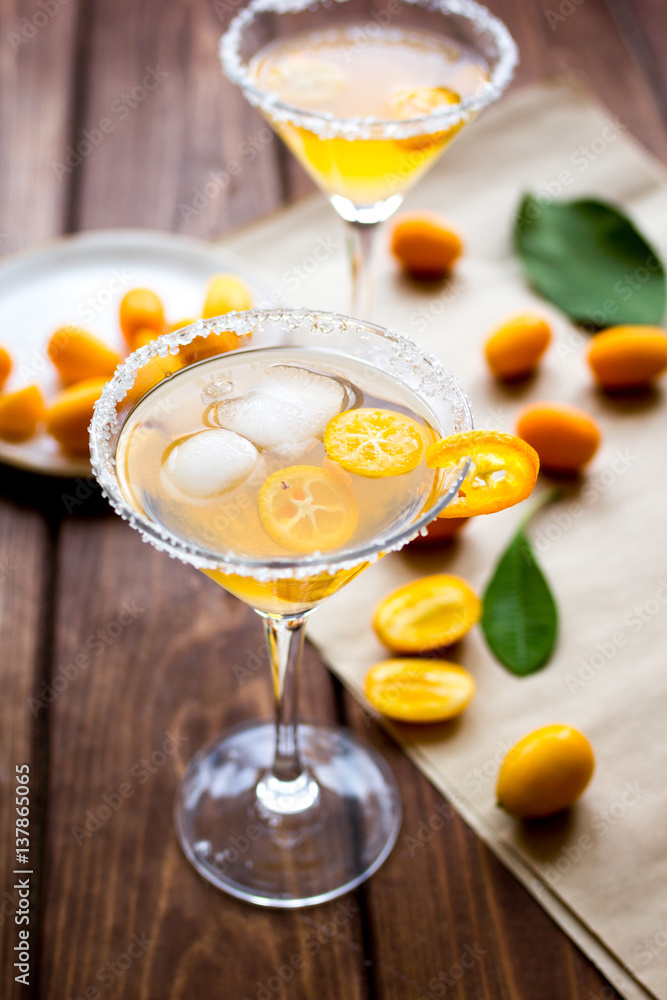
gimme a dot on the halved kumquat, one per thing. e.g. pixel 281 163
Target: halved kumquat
pixel 503 470
pixel 426 614
pixel 375 443
pixel 419 690
pixel 306 509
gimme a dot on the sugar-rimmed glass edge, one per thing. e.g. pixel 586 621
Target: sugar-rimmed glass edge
pixel 435 380
pixel 327 125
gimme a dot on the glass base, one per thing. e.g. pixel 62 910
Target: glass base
pixel 294 850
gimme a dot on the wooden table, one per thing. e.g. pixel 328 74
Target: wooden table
pixel 118 911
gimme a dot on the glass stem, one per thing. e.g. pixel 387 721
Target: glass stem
pixel 287 788
pixel 285 638
pixel 360 245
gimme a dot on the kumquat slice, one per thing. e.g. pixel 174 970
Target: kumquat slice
pixel 503 470
pixel 307 509
pixel 375 443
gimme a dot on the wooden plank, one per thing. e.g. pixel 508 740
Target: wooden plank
pixel 160 644
pixel 35 61
pixel 182 149
pixel 643 23
pixel 35 66
pixel 24 561
pixel 587 41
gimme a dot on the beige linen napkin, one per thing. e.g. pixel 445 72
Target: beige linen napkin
pixel 601 871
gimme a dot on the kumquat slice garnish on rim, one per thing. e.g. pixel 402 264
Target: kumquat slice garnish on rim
pixel 306 509
pixel 374 442
pixel 503 470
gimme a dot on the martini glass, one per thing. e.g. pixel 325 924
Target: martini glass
pixel 277 813
pixel 367 97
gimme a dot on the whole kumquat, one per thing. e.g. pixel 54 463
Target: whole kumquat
pixel 5 365
pixel 70 413
pixel 20 413
pixel 514 349
pixel 564 436
pixel 140 308
pixel 226 293
pixel 425 245
pixel 545 772
pixel 628 357
pixel 442 529
pixel 79 355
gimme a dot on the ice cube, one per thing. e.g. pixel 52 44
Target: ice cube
pixel 309 390
pixel 262 417
pixel 291 409
pixel 210 462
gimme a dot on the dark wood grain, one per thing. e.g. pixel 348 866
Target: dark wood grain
pixel 24 571
pixel 35 72
pixel 186 152
pixel 167 679
pixel 157 643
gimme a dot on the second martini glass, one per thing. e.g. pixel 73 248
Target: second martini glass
pixel 367 98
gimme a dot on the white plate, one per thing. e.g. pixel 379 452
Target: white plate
pixel 80 280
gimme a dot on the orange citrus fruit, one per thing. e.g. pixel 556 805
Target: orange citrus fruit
pixel 5 365
pixel 226 293
pixel 79 355
pixel 307 509
pixel 180 324
pixel 564 436
pixel 375 443
pixel 514 349
pixel 426 614
pixel 503 470
pixel 140 308
pixel 545 772
pixel 628 357
pixel 20 413
pixel 143 336
pixel 70 413
pixel 419 690
pixel 442 529
pixel 207 347
pixel 425 245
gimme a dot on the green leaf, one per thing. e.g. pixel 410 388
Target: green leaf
pixel 589 260
pixel 520 619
